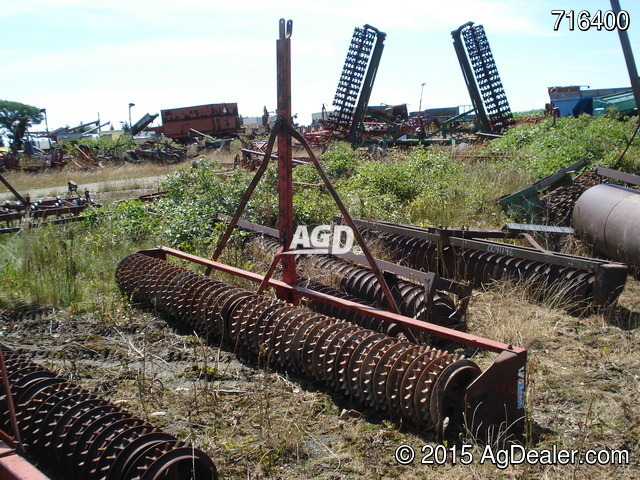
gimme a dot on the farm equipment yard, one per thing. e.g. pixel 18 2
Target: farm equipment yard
pixel 382 294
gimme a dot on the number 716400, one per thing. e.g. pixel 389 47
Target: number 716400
pixel 585 20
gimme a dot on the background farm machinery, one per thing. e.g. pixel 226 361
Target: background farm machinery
pixel 24 154
pixel 24 213
pixel 355 121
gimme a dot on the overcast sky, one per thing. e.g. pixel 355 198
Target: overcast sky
pixel 81 58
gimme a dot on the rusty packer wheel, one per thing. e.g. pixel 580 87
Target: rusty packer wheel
pixel 80 435
pixel 445 406
pixel 363 384
pixel 371 367
pixel 322 344
pixel 383 370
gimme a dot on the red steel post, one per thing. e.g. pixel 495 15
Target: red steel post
pixel 285 165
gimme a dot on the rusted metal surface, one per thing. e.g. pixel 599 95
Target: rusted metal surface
pixel 434 304
pixel 15 467
pixel 82 436
pixel 159 152
pixel 16 215
pixel 558 204
pixel 608 216
pixel 285 166
pixel 580 281
pixel 213 119
pixel 421 384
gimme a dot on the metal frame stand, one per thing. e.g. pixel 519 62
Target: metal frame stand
pixel 284 132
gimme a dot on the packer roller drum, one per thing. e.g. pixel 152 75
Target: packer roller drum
pixel 368 366
pixel 608 216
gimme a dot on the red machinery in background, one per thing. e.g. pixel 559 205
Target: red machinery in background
pixel 182 124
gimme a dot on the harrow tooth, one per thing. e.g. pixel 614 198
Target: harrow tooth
pixel 231 320
pixel 30 416
pixel 407 389
pixel 81 423
pixel 344 356
pixel 213 325
pixel 113 446
pixel 382 372
pixel 192 301
pixel 258 325
pixel 309 344
pixel 243 320
pixel 393 381
pixel 300 337
pixel 85 439
pixel 287 345
pixel 321 347
pixel 330 358
pixel 355 362
pixel 362 385
pixel 91 454
pixel 281 323
pixel 42 432
pixel 134 449
pixel 424 388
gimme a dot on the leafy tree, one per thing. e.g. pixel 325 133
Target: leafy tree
pixel 10 111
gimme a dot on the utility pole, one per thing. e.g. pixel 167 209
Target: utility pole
pixel 46 125
pixel 130 105
pixel 421 90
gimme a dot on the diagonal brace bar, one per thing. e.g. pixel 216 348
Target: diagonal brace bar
pixel 247 196
pixel 343 210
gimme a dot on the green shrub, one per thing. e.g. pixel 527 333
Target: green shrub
pixel 546 147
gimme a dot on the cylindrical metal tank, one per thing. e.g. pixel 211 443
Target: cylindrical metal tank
pixel 608 216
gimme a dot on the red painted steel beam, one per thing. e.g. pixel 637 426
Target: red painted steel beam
pixel 285 166
pixel 14 467
pixel 439 331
